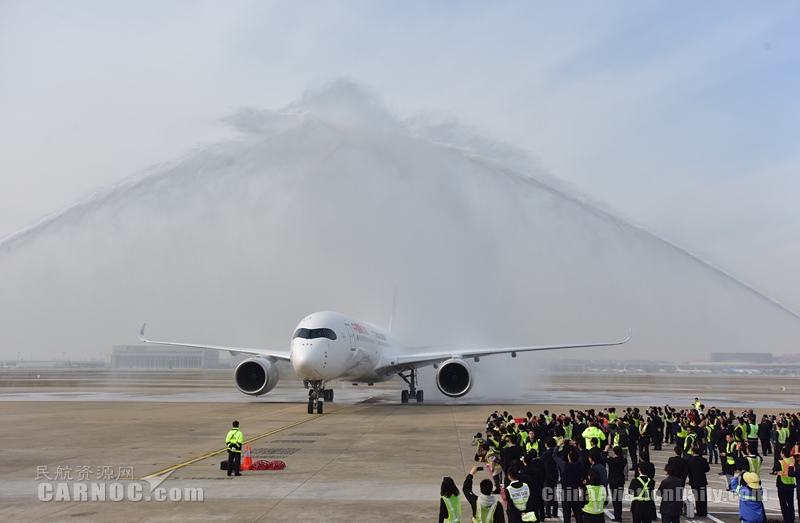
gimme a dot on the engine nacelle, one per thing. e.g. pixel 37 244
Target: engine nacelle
pixel 256 376
pixel 454 378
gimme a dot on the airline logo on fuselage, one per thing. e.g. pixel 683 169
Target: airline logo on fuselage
pixel 358 328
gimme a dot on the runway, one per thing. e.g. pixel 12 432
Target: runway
pixel 368 458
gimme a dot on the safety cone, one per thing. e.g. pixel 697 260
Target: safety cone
pixel 247 459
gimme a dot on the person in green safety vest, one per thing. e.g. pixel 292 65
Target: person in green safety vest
pixel 643 507
pixel 592 432
pixel 690 441
pixel 233 441
pixel 749 461
pixel 786 485
pixel 728 456
pixel 781 437
pixel 596 498
pixel 486 508
pixel 450 502
pixel 494 466
pixel 751 428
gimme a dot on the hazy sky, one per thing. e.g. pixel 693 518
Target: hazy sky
pixel 684 118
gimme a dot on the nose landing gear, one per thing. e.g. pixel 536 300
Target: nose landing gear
pixel 411 379
pixel 317 396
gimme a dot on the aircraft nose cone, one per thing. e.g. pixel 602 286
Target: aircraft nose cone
pixel 307 361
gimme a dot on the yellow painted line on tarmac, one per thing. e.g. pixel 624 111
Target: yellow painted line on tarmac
pixel 270 433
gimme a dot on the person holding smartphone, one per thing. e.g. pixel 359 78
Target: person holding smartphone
pixel 486 508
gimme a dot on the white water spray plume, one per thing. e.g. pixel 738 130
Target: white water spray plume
pixel 330 203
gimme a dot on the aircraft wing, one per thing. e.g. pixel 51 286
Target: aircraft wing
pixel 278 355
pixel 430 358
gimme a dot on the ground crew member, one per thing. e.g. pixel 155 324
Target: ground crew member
pixel 752 434
pixel 780 440
pixel 748 487
pixel 485 507
pixel 728 457
pixel 234 443
pixel 450 503
pixel 786 485
pixel 749 462
pixel 518 496
pixel 595 498
pixel 592 432
pixel 643 508
pixel 690 441
pixel 740 431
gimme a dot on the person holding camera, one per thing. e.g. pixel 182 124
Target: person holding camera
pixel 486 508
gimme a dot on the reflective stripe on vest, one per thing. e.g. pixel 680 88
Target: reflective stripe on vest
pixel 453 504
pixel 519 496
pixel 644 495
pixel 596 495
pixel 749 497
pixel 754 464
pixel 729 450
pixel 689 443
pixel 484 517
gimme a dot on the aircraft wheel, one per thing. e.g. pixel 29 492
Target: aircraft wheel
pixel 404 396
pixel 330 395
pixel 319 406
pixel 311 406
pixel 420 396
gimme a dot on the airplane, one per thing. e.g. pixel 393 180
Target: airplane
pixel 329 346
pixel 692 371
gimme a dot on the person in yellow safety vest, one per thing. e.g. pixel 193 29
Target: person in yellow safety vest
pixel 752 434
pixel 485 507
pixel 781 435
pixel 749 462
pixel 450 502
pixel 690 441
pixel 728 458
pixel 643 507
pixel 740 431
pixel 612 414
pixel 234 443
pixel 786 485
pixel 592 432
pixel 547 416
pixel 596 497
pixel 697 404
pixel 518 497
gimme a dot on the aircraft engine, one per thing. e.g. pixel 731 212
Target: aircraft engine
pixel 454 378
pixel 256 376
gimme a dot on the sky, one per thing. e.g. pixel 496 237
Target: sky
pixel 681 118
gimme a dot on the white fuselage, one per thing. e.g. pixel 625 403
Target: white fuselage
pixel 332 346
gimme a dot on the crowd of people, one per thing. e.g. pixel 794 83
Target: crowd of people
pixel 581 462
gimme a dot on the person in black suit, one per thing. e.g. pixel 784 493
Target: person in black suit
pixel 697 467
pixel 671 491
pixel 512 453
pixel 616 478
pixel 679 463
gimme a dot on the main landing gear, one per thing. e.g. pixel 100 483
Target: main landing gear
pixel 411 379
pixel 317 396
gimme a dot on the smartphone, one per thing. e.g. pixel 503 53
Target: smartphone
pixel 479 468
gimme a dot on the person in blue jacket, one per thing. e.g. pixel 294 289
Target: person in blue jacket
pixel 751 506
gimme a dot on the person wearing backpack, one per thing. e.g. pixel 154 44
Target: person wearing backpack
pixel 485 507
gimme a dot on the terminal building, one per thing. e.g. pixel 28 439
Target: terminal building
pixel 161 357
pixel 741 357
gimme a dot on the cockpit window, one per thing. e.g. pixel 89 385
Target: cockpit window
pixel 310 334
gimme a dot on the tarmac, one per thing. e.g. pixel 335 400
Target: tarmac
pixel 368 458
